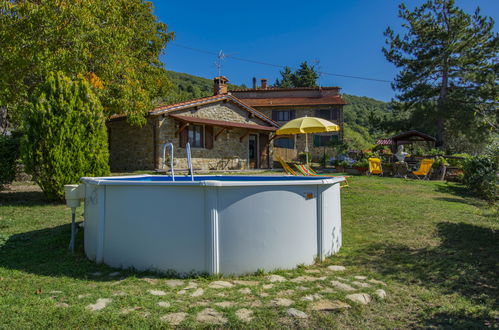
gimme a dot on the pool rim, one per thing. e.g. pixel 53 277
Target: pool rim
pixel 213 182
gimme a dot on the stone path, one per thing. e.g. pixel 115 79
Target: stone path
pixel 100 304
pixel 174 318
pixel 296 313
pixel 314 290
pixel 275 278
pixel 220 285
pixel 282 302
pixel 244 314
pixel 380 293
pixel 329 305
pixel 164 304
pixel 342 286
pixel 209 315
pixel 361 298
pixel 157 292
pixel 174 283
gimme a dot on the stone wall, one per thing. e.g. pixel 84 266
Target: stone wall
pixel 228 153
pixel 131 148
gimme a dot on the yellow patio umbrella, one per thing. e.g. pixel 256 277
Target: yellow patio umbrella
pixel 305 125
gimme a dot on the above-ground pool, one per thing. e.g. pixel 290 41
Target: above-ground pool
pixel 214 224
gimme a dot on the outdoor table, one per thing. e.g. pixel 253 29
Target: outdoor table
pixel 400 169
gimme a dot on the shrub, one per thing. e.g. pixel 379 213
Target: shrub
pixel 439 161
pixel 9 153
pixel 302 156
pixel 458 162
pixel 65 135
pixel 480 175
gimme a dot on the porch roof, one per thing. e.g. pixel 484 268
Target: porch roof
pixel 222 123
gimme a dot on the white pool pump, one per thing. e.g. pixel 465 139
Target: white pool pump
pixel 73 193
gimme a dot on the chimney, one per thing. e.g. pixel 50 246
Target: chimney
pixel 264 83
pixel 220 85
pixel 254 82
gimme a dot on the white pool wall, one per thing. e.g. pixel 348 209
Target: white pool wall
pixel 211 226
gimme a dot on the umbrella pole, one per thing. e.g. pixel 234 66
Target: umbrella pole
pixel 306 148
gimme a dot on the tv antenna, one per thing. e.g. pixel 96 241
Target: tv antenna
pixel 218 63
pixel 220 57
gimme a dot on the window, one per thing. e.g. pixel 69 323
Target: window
pixel 323 113
pixel 329 114
pixel 283 115
pixel 288 143
pixel 195 136
pixel 324 140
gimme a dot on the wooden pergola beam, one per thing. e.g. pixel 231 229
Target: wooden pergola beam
pixel 245 135
pixel 275 136
pixel 220 132
pixel 181 129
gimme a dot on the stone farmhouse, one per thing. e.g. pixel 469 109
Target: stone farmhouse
pixel 231 130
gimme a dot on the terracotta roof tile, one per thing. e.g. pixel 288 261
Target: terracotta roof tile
pixel 283 89
pixel 294 101
pixel 222 123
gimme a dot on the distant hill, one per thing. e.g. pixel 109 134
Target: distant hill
pixel 187 87
pixel 363 115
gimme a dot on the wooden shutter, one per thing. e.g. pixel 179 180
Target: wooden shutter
pixel 208 137
pixel 275 115
pixel 184 137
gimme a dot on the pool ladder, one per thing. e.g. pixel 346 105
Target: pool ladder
pixel 189 160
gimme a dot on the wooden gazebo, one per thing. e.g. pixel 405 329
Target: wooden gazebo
pixel 408 137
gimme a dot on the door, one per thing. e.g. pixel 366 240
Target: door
pixel 253 151
pixel 263 144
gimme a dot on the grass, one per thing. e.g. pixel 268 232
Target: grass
pixel 434 247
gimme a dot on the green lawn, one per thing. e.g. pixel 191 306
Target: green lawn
pixel 436 250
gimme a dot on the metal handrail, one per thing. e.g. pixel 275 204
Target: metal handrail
pixel 189 161
pixel 171 158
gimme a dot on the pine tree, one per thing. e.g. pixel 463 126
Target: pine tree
pixel 305 76
pixel 65 135
pixel 286 78
pixel 448 64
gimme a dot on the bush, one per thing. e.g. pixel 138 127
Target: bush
pixel 9 153
pixel 480 175
pixel 65 135
pixel 302 156
pixel 439 161
pixel 458 162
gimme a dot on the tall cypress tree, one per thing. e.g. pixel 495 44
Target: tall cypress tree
pixel 65 135
pixel 448 64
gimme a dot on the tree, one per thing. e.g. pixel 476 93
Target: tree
pixel 65 135
pixel 114 44
pixel 286 78
pixel 305 76
pixel 447 65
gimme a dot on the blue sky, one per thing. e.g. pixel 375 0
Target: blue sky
pixel 346 38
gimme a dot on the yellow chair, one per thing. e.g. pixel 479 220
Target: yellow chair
pixel 286 167
pixel 424 169
pixel 375 166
